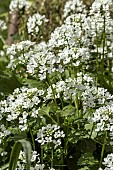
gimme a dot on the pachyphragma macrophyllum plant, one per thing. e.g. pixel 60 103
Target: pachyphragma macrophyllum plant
pixel 64 105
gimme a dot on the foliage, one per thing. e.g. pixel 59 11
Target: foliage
pixel 15 153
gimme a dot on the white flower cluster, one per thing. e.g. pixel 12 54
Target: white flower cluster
pixel 101 4
pixel 94 97
pixel 20 53
pixel 108 162
pixel 68 89
pixel 26 54
pixel 21 46
pixel 50 134
pixel 3 132
pixel 21 103
pixel 69 47
pixel 99 21
pixel 37 60
pixel 70 52
pixel 70 44
pixel 19 5
pixel 83 86
pixel 35 22
pixel 103 117
pixel 38 167
pixel 74 6
pixel 2 25
pixel 35 158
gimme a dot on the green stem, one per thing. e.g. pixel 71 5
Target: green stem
pixel 97 63
pixel 91 131
pixel 53 94
pixel 55 102
pixel 108 69
pixel 52 119
pixel 62 102
pixel 77 108
pixel 52 158
pixel 66 149
pixel 77 105
pixel 97 142
pixel 2 39
pixel 103 55
pixel 53 91
pixel 23 27
pixel 103 149
pixel 69 71
pixel 33 142
pixel 42 153
pixel 75 72
pixel 66 139
pixel 62 158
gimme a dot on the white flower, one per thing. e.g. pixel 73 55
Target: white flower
pixel 103 118
pixel 20 104
pixel 19 5
pixel 50 134
pixel 34 156
pixel 72 6
pixel 34 23
pixel 2 25
pixel 39 166
pixel 3 153
pixel 108 162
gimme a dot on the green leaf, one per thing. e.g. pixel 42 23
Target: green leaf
pixel 87 159
pixel 34 83
pixel 19 136
pixel 89 126
pixel 8 82
pixel 4 167
pixel 86 145
pixel 5 14
pixel 45 110
pixel 16 151
pixel 84 168
pixel 68 111
pixel 106 82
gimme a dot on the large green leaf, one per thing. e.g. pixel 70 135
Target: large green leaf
pixel 16 151
pixel 8 82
